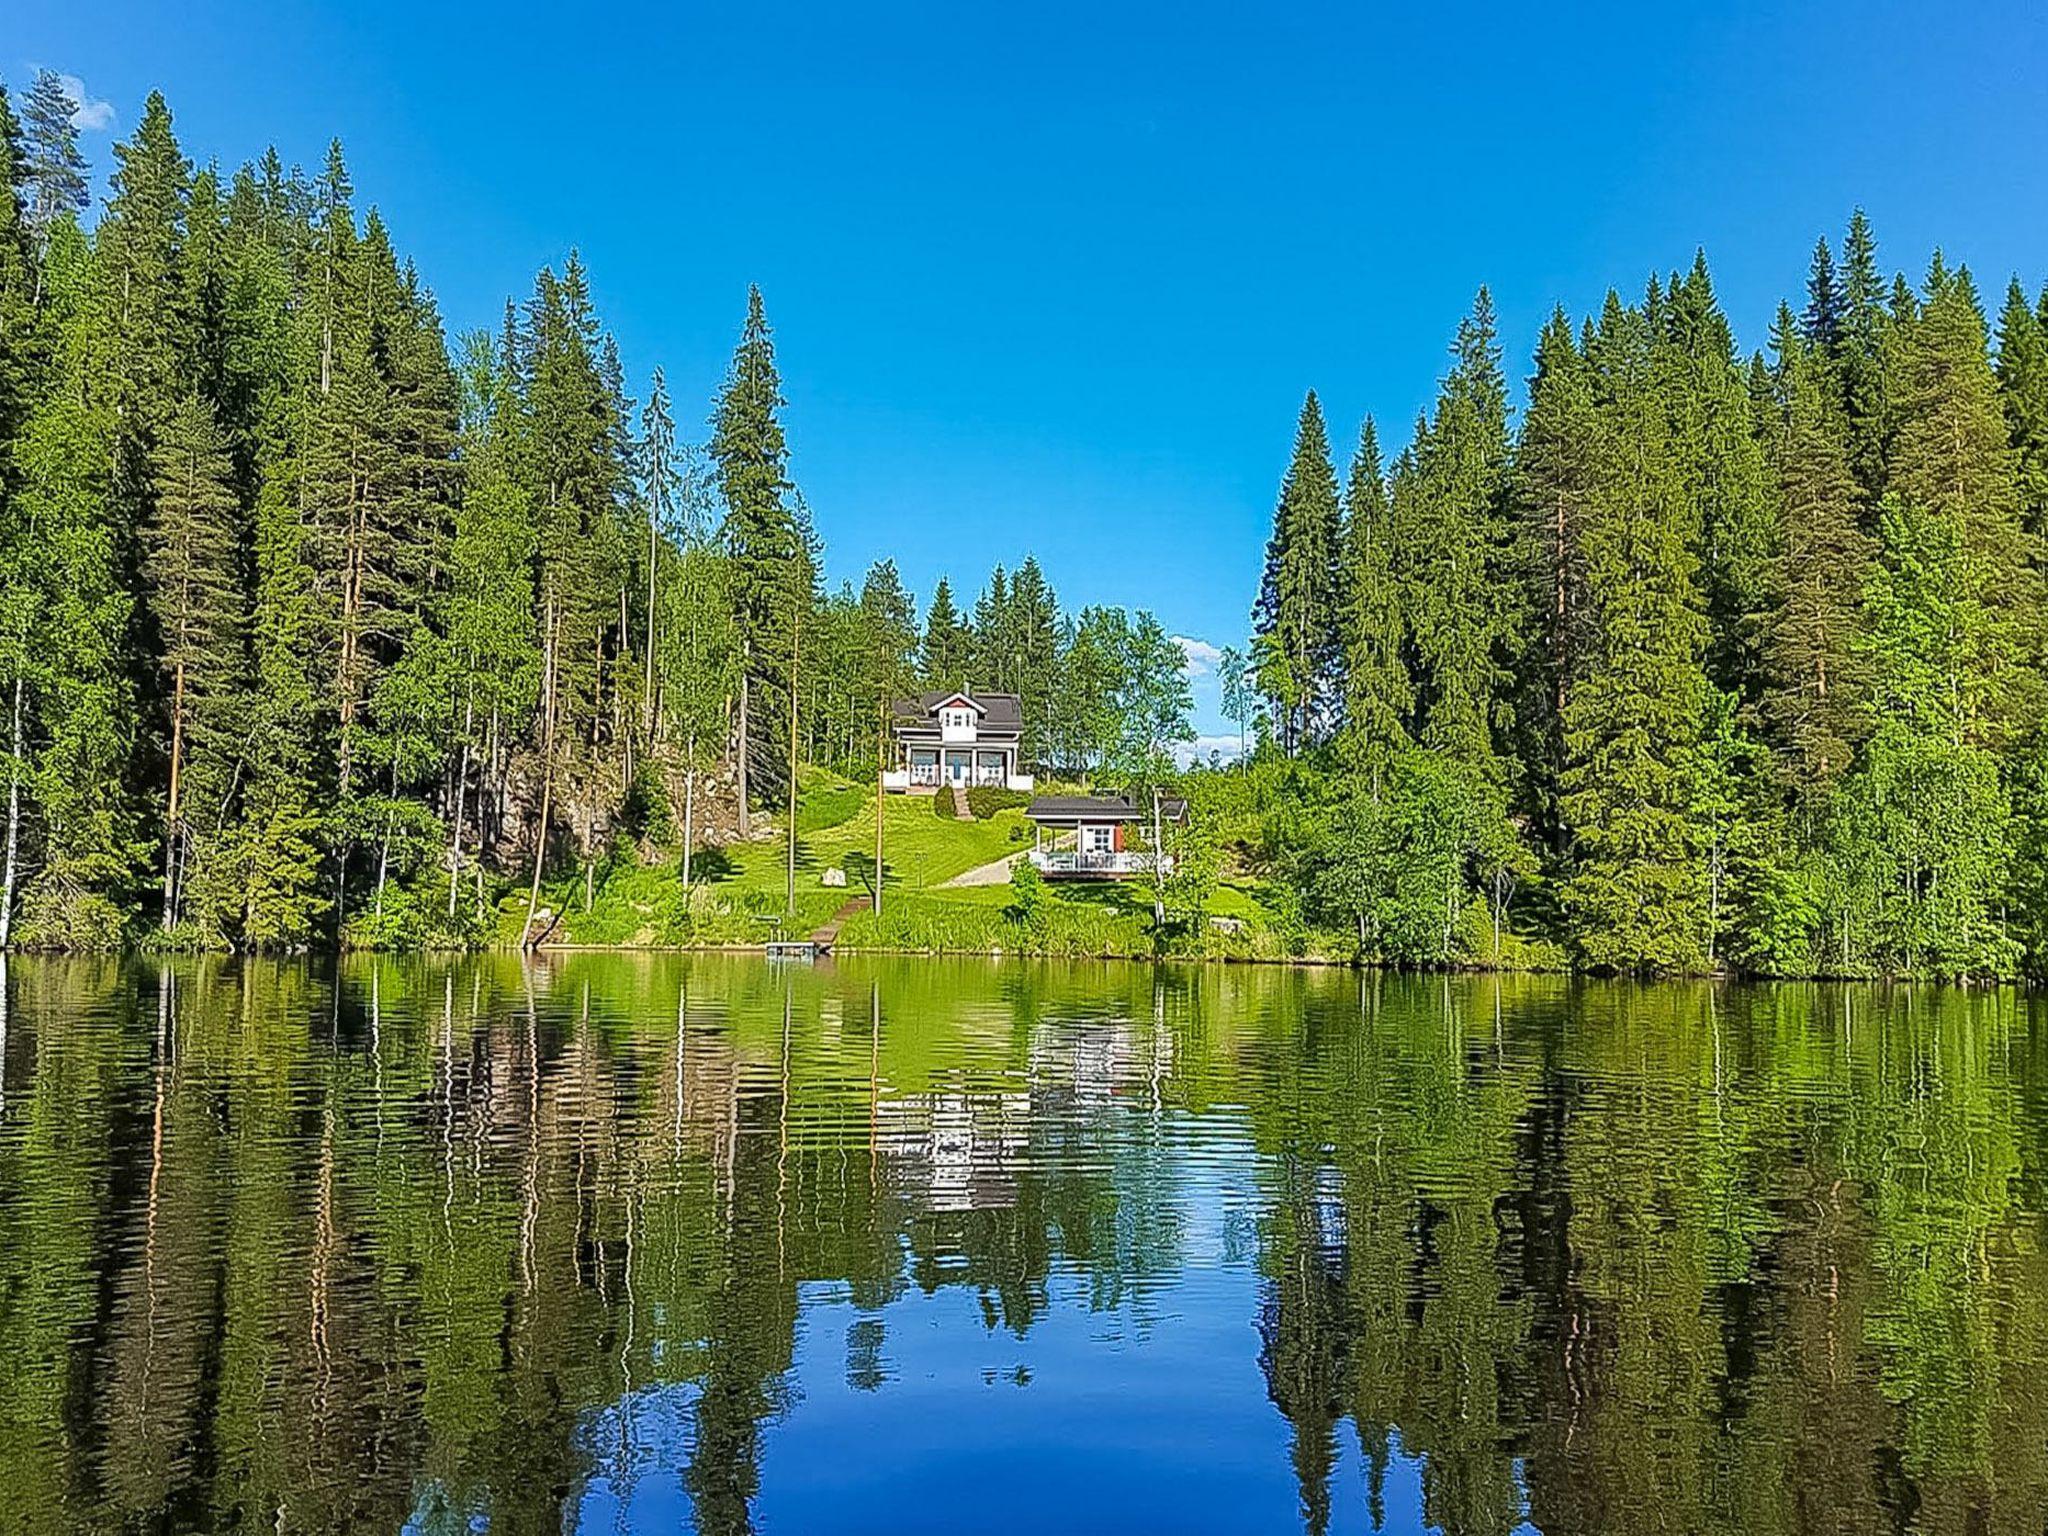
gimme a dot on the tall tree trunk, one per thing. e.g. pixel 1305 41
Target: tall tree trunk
pixel 13 819
pixel 647 703
pixel 170 915
pixel 547 775
pixel 461 788
pixel 689 809
pixel 796 635
pixel 740 751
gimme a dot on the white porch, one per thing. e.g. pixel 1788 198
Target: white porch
pixel 936 767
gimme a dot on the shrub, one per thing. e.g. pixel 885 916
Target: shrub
pixel 942 806
pixel 985 800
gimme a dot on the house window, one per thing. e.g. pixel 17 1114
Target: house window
pixel 1097 840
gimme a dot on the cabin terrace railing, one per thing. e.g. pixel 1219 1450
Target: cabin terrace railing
pixel 938 778
pixel 1068 862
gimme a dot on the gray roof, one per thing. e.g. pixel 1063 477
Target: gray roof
pixel 999 711
pixel 1083 808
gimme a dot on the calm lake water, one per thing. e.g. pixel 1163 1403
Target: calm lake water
pixel 644 1244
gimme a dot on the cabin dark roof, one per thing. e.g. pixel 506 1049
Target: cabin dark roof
pixel 1083 808
pixel 1000 712
pixel 1063 808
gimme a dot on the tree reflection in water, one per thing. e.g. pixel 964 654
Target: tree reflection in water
pixel 628 1243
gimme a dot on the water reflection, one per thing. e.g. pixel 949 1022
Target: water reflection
pixel 639 1244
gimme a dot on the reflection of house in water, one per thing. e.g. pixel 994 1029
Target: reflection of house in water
pixel 953 1151
pixel 1102 1060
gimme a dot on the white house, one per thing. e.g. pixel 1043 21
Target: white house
pixel 947 739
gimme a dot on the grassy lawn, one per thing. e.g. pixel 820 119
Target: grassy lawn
pixel 738 895
pixel 920 850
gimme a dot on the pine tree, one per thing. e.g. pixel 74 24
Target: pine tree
pixel 189 569
pixel 1377 693
pixel 54 170
pixel 947 656
pixel 21 367
pixel 663 496
pixel 572 475
pixel 1297 611
pixel 772 573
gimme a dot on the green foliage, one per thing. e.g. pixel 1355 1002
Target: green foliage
pixel 1298 610
pixel 986 800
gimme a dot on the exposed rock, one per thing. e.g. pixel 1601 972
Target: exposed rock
pixel 833 876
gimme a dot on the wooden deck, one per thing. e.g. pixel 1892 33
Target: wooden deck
pixel 820 943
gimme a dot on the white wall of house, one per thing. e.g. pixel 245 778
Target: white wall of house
pixel 957 723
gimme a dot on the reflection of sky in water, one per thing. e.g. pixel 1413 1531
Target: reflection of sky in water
pixel 1089 1422
pixel 1150 1413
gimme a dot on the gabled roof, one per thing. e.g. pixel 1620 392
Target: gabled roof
pixel 999 712
pixel 1064 808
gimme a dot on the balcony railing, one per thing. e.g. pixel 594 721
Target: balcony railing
pixel 930 776
pixel 1065 861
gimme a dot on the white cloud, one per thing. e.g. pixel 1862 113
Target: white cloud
pixel 89 114
pixel 1202 656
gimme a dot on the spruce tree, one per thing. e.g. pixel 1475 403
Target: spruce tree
pixel 1637 894
pixel 1814 676
pixel 2023 390
pixel 1555 478
pixel 1923 841
pixel 1297 613
pixel 1452 530
pixel 1821 324
pixel 1952 469
pixel 772 573
pixel 1859 361
pixel 1033 627
pixel 947 655
pixel 1377 693
pixel 80 614
pixel 995 660
pixel 1722 468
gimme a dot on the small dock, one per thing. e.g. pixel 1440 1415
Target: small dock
pixel 819 944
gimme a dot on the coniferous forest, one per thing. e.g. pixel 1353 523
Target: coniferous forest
pixel 313 614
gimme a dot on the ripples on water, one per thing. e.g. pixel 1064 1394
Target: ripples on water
pixel 606 1244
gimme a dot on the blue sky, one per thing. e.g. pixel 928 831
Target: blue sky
pixel 1053 278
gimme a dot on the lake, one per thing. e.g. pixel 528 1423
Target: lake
pixel 628 1243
